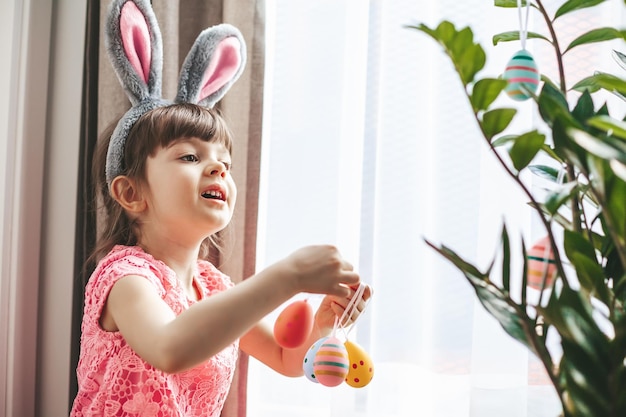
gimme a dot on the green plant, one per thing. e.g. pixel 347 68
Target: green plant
pixel 586 303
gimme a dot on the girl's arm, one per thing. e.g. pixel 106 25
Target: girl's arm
pixel 259 342
pixel 175 343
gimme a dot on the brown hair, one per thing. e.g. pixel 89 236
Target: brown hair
pixel 153 130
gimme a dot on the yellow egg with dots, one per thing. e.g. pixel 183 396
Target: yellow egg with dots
pixel 361 366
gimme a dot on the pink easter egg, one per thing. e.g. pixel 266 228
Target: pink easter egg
pixel 331 363
pixel 540 258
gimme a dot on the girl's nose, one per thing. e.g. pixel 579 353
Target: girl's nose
pixel 217 168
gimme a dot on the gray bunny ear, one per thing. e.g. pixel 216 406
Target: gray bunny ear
pixel 215 61
pixel 133 42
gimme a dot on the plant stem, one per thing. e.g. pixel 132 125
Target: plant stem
pixel 555 43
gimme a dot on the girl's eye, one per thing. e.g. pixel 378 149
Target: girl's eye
pixel 227 165
pixel 189 158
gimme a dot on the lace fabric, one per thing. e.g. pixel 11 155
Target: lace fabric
pixel 114 381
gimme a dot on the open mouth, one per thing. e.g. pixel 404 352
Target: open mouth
pixel 213 195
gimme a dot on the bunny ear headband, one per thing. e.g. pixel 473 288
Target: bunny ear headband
pixel 133 41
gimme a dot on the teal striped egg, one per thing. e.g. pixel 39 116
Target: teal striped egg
pixel 520 71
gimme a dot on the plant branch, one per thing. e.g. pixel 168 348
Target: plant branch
pixel 555 44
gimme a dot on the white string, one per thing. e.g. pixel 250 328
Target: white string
pixel 349 310
pixel 523 26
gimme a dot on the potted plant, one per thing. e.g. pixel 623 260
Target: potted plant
pixel 582 278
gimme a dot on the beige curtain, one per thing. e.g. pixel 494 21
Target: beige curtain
pixel 180 22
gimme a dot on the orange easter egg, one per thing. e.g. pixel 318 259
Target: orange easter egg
pixel 294 324
pixel 540 259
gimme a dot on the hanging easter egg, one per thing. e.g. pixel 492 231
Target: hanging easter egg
pixel 294 324
pixel 331 362
pixel 309 359
pixel 361 367
pixel 540 259
pixel 521 71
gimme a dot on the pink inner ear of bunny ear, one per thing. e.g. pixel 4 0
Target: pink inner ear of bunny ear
pixel 136 39
pixel 222 68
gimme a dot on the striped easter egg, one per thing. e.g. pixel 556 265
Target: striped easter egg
pixel 540 258
pixel 520 71
pixel 331 362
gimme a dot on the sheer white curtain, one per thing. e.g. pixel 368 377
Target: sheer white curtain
pixel 370 145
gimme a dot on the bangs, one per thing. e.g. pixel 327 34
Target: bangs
pixel 163 125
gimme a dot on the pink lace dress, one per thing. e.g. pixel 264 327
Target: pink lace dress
pixel 114 381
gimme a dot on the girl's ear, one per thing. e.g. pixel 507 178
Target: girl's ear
pixel 128 194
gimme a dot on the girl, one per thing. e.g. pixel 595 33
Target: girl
pixel 161 326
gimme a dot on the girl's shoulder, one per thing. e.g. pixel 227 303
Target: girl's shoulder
pixel 129 260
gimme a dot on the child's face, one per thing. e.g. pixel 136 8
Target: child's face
pixel 190 188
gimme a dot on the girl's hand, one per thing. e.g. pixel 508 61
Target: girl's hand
pixel 333 307
pixel 321 270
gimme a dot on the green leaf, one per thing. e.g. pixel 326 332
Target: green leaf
pixel 506 261
pixel 504 140
pixel 511 317
pixel 524 274
pixel 485 92
pixel 607 124
pixel 546 172
pixel 597 168
pixel 525 148
pixel 601 80
pixel 620 58
pixel 565 148
pixel 574 243
pixel 591 277
pixel 572 5
pixel 553 104
pixel 585 382
pixel 619 168
pixel 584 107
pixel 495 121
pixel 507 3
pixel 616 209
pixel 468 57
pixel 606 148
pixel 570 312
pixel 596 35
pixel 582 255
pixel 514 36
pixel 560 196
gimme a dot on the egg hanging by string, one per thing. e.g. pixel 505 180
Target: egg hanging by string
pixel 309 359
pixel 521 72
pixel 294 324
pixel 522 76
pixel 361 366
pixel 540 262
pixel 330 364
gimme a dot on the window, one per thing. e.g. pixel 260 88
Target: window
pixel 370 145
